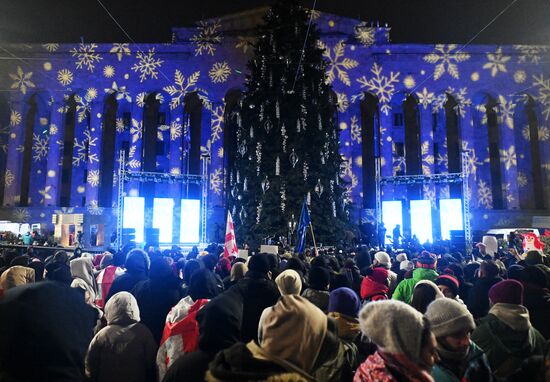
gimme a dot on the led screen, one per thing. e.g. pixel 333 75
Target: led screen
pixel 421 220
pixel 451 216
pixel 163 216
pixel 134 212
pixel 190 221
pixel 392 214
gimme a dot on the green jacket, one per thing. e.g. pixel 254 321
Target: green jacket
pixel 507 337
pixel 405 289
pixel 476 368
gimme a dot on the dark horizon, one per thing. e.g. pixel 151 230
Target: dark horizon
pixel 420 21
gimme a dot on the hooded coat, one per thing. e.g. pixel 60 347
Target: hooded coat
pixel 507 337
pixel 137 269
pixel 157 295
pixel 39 350
pixel 125 349
pixel 478 298
pixel 475 368
pixel 15 276
pixel 82 271
pixel 405 288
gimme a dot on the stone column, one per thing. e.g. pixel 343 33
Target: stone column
pixel 55 150
pixel 427 150
pixel 386 151
pixel 12 176
pixel 94 155
pixel 508 154
pixel 134 158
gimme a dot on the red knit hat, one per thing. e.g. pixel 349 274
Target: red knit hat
pixel 426 260
pixel 379 275
pixel 507 292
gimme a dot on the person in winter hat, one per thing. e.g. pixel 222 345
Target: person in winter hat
pixel 406 346
pixel 15 276
pixel 82 271
pixel 425 292
pixel 375 285
pixel 289 282
pixel 137 269
pixel 125 349
pixel 506 334
pixel 460 360
pixel 449 286
pixel 109 272
pixel 383 260
pixel 343 307
pixel 536 298
pixel 425 270
pixel 478 301
pixel 317 293
pixel 238 270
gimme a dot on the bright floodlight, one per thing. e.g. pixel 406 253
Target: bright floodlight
pixel 421 220
pixel 392 214
pixel 190 220
pixel 134 212
pixel 451 216
pixel 163 216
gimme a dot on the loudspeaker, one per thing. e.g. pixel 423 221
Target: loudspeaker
pixel 128 236
pixel 458 239
pixel 152 236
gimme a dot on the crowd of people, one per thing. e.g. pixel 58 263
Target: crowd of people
pixel 337 315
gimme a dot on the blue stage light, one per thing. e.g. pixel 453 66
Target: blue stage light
pixel 451 216
pixel 421 220
pixel 163 217
pixel 190 221
pixel 133 216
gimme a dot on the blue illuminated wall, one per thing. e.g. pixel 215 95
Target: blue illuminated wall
pixel 487 84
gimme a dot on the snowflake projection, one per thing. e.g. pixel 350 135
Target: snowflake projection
pixel 429 193
pixel 51 47
pixel 219 72
pixel 425 98
pixel 136 130
pixel 8 178
pixel 220 153
pixel 216 181
pixel 182 87
pixel 520 76
pixel 39 147
pixel 108 71
pixel 442 160
pixel 506 191
pixel 460 97
pixel 161 129
pixel 22 80
pixel 543 87
pixel 65 77
pixel 381 85
pixel 82 147
pixel 147 65
pixel 496 62
pixel 121 92
pixel 45 194
pixel 365 34
pixel 207 37
pixel 473 161
pixel 175 171
pixel 120 50
pixel 93 178
pixel 140 99
pixel 522 179
pixel 217 123
pixel 342 102
pixel 399 165
pixel 94 208
pixel 543 133
pixel 506 109
pixel 338 65
pixel 120 125
pixel 508 157
pixel 446 60
pixel 484 195
pixel 355 130
pixel 346 167
pixel 530 53
pixel 91 94
pixel 15 118
pixel 245 43
pixel 83 107
pixel 427 158
pixel 86 56
pixel 175 130
pixel 21 215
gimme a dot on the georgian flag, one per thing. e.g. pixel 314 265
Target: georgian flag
pixel 230 247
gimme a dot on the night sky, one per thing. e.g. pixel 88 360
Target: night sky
pixel 416 21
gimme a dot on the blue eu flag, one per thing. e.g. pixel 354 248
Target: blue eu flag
pixel 302 228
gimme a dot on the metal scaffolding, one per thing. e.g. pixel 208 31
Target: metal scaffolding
pixel 455 177
pixel 161 177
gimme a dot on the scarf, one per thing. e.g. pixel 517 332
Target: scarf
pixel 383 367
pixel 455 361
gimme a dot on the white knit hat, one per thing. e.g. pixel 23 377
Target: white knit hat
pixel 394 326
pixel 448 316
pixel 406 265
pixel 383 258
pixel 401 257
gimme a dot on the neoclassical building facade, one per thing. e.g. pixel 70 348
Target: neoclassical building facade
pixel 67 110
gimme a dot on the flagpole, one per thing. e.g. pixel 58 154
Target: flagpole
pixel 313 236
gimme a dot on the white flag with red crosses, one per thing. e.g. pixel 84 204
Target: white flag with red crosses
pixel 230 247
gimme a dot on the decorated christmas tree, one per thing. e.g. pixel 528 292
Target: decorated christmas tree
pixel 286 142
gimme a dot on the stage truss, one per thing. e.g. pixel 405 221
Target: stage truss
pixel 125 176
pixel 456 177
